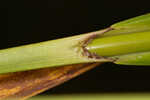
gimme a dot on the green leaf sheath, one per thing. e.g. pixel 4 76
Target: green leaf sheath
pixel 52 53
pixel 129 42
pixel 46 54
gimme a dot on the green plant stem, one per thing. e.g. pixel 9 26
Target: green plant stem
pixel 133 25
pixel 142 58
pixel 120 44
pixel 52 53
pixel 127 49
pixel 128 42
pixel 120 40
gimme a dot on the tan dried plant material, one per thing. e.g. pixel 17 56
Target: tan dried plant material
pixel 22 85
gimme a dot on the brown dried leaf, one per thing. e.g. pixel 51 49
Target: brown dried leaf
pixel 22 85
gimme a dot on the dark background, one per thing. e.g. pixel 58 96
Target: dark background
pixel 27 21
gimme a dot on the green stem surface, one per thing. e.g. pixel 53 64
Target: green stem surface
pixel 142 58
pixel 128 49
pixel 53 53
pixel 128 42
pixel 121 44
pixel 124 40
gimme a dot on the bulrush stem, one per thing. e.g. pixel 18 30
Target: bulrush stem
pixel 120 44
pixel 124 38
pixel 141 58
pixel 128 42
pixel 53 53
pixel 128 49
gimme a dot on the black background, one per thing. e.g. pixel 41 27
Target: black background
pixel 28 21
